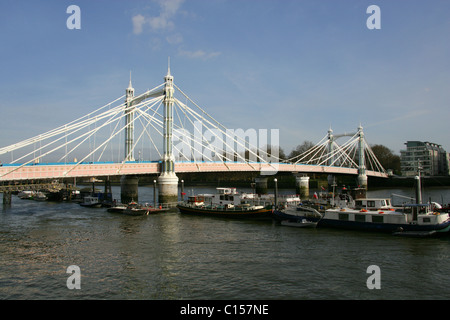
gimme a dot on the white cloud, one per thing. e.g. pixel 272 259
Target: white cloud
pixel 138 22
pixel 163 21
pixel 170 7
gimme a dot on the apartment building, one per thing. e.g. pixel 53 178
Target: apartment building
pixel 431 157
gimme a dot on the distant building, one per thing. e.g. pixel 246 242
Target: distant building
pixel 431 157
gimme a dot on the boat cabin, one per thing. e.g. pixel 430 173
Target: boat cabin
pixel 224 191
pixel 373 204
pixel 230 197
pixel 90 200
pixel 224 196
pixel 196 200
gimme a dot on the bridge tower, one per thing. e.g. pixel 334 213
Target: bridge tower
pixel 331 179
pixel 168 181
pixel 129 122
pixel 362 176
pixel 129 184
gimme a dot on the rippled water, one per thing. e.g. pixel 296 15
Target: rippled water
pixel 174 256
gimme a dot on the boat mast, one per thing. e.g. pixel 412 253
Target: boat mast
pixel 418 194
pixel 418 186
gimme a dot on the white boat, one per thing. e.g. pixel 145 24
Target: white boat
pixel 411 218
pixel 119 208
pixel 40 196
pixel 26 194
pixel 379 215
pixel 91 202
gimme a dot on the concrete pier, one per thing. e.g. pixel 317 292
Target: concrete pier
pixel 362 181
pixel 129 189
pixel 6 198
pixel 261 185
pixel 168 188
pixel 302 186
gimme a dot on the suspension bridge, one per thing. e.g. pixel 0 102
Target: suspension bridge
pixel 164 132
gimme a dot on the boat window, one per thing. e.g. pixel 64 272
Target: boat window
pixel 388 202
pixel 360 217
pixel 343 216
pixel 377 219
pixel 383 203
pixel 371 204
pixel 426 220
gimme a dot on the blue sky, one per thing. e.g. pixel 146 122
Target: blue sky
pixel 300 66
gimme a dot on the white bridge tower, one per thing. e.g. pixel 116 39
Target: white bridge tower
pixel 129 184
pixel 168 181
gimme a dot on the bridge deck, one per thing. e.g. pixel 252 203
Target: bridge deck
pixel 55 171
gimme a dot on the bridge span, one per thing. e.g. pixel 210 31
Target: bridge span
pixel 59 171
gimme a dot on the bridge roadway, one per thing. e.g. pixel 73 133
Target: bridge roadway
pixel 98 169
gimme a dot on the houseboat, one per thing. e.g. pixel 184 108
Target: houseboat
pixel 415 219
pixel 228 203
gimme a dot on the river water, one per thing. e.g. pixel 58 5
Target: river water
pixel 172 256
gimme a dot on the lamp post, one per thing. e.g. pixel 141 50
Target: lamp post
pixel 154 193
pixel 276 191
pixel 182 190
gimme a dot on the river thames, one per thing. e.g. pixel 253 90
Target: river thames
pixel 175 257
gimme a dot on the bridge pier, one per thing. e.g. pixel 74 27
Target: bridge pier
pixel 168 188
pixel 6 198
pixel 129 186
pixel 261 185
pixel 302 186
pixel 362 181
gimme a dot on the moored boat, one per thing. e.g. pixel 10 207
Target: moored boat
pixel 26 195
pixel 91 202
pixel 136 209
pixel 379 215
pixel 228 203
pixel 227 211
pixel 40 196
pixel 118 208
pixel 409 218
